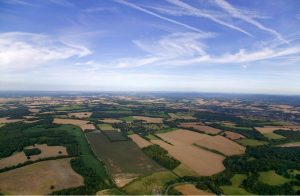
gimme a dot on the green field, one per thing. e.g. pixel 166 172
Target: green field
pixel 85 150
pixel 183 170
pixel 148 184
pixel 113 191
pixel 272 178
pixel 235 188
pixel 166 130
pixel 252 142
pixel 273 136
pixel 105 127
pixel 234 127
pixel 151 137
pixel 69 108
pixel 127 119
pixel 1 125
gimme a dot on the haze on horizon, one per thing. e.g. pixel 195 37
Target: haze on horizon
pixel 169 45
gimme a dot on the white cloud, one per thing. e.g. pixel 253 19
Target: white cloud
pixel 19 51
pixel 158 16
pixel 238 14
pixel 190 10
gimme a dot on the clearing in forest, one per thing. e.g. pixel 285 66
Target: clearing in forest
pixel 48 176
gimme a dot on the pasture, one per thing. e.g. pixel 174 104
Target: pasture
pixel 48 176
pixel 252 142
pixel 234 188
pixel 46 151
pixel 105 127
pixel 200 127
pixel 272 178
pixel 291 144
pixel 151 184
pixel 124 159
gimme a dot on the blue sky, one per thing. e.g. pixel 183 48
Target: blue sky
pixel 157 45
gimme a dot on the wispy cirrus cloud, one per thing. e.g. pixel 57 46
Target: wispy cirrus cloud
pixel 193 11
pixel 134 6
pixel 20 51
pixel 238 14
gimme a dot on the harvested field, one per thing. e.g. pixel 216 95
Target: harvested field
pixel 203 162
pixel 190 189
pixel 34 110
pixel 81 115
pixel 20 157
pixel 218 143
pixel 233 135
pixel 148 119
pixel 83 124
pixel 200 127
pixel 56 173
pixel 124 159
pixel 141 142
pixel 270 129
pixel 7 120
pixel 110 120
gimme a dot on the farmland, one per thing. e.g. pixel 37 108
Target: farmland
pixel 123 168
pixel 47 177
pixel 115 144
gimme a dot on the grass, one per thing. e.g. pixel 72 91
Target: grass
pixel 252 142
pixel 183 170
pixel 147 184
pixel 130 132
pixel 272 178
pixel 234 127
pixel 151 137
pixel 235 188
pixel 1 125
pixel 113 191
pixel 85 150
pixel 273 136
pixel 69 108
pixel 166 130
pixel 105 127
pixel 127 119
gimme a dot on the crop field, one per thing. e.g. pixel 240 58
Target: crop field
pixel 218 143
pixel 203 162
pixel 80 115
pixel 151 184
pixel 40 178
pixel 105 127
pixel 83 124
pixel 148 119
pixel 110 120
pixel 234 188
pixel 272 178
pixel 200 127
pixel 233 135
pixel 273 136
pixel 7 120
pixel 291 144
pixel 69 108
pixel 141 142
pixel 122 167
pixel 270 129
pixel 183 170
pixel 114 135
pixel 190 189
pixel 46 151
pixel 252 142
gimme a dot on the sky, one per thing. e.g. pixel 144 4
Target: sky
pixel 232 46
